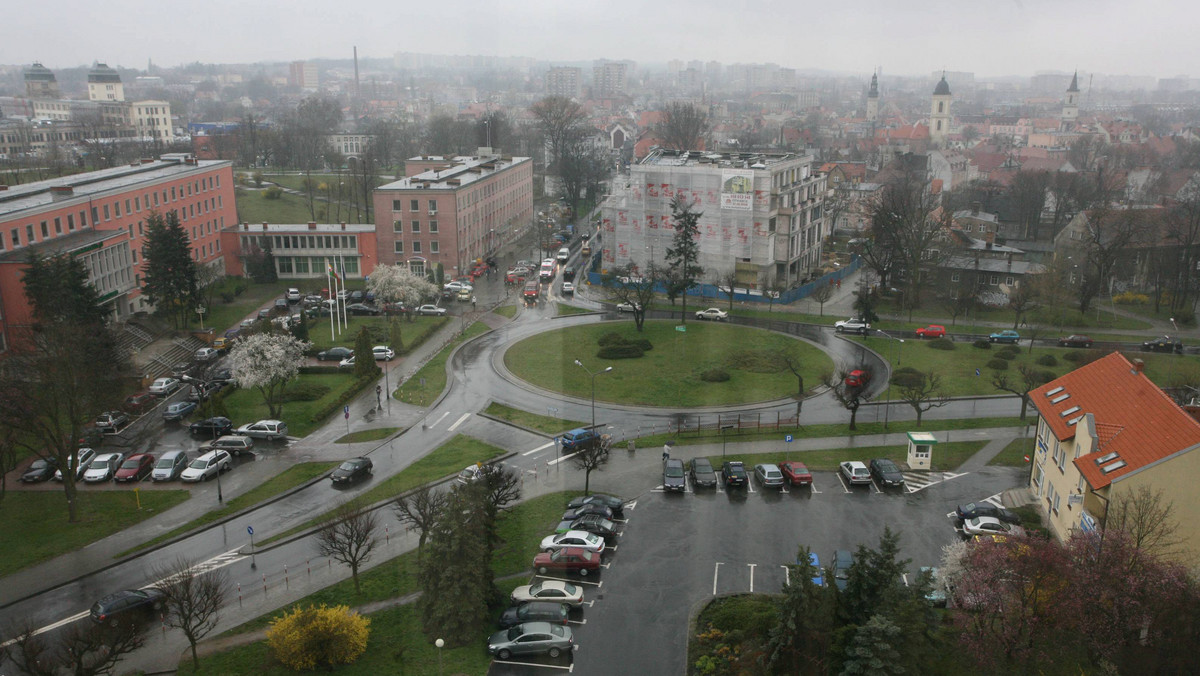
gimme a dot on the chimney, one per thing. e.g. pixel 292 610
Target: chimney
pixel 975 207
pixel 1139 366
pixel 343 226
pixel 61 192
pixel 312 225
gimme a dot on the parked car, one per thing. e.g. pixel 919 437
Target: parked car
pixel 617 505
pixel 470 474
pixel 579 439
pixel 974 509
pixel 988 525
pixel 814 563
pixel 464 295
pixel 591 523
pixel 130 605
pixel 41 470
pixel 535 611
pixel 135 468
pixel 1005 336
pixel 206 354
pixel 568 289
pixel 221 376
pixel 796 473
pixel 207 466
pixel 842 560
pixel 178 410
pixel 347 363
pixel 715 314
pixel 265 429
pixel 357 296
pixel 852 325
pixel 937 588
pixel 886 472
pixel 140 402
pixel 431 311
pixel 583 510
pixel 673 476
pixel 768 475
pixel 531 638
pixel 164 386
pixel 1163 344
pixel 567 560
pixel 1074 340
pixel 103 467
pixel 334 354
pixel 85 457
pixel 702 473
pixel 352 470
pixel 169 466
pixel 212 427
pixel 628 307
pixel 222 345
pixel 111 421
pixel 931 331
pixel 264 313
pixel 362 309
pixel 293 295
pixel 733 474
pixel 457 286
pixel 234 444
pixel 91 436
pixel 281 305
pixel 855 472
pixel 383 353
pixel 572 538
pixel 858 378
pixel 549 590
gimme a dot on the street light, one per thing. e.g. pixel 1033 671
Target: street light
pixel 593 375
pixel 887 406
pixel 439 643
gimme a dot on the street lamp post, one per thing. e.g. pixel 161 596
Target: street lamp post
pixel 439 643
pixel 593 375
pixel 887 407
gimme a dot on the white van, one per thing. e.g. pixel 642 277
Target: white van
pixel 563 254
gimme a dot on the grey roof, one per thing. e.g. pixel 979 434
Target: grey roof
pixel 466 170
pixel 61 244
pixel 993 265
pixel 942 88
pixel 39 73
pixel 101 73
pixel 1074 82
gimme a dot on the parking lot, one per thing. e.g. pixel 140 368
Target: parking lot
pixel 677 551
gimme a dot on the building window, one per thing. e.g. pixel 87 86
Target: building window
pixel 106 216
pixel 57 225
pixel 156 199
pixel 1057 501
pixel 432 207
pixel 70 222
pixel 414 205
pixel 83 219
pixel 16 238
pixel 416 247
pixel 398 247
pixel 1008 280
pixel 29 234
pixel 137 203
pixel 955 277
pixel 397 205
pixel 995 280
pixel 433 227
pixel 397 226
pixel 416 226
pixel 117 209
pixel 433 247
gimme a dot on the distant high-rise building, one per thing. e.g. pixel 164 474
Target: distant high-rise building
pixel 608 79
pixel 564 81
pixel 104 84
pixel 939 113
pixel 40 82
pixel 1070 111
pixel 873 99
pixel 303 74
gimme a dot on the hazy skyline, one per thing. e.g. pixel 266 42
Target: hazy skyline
pixel 996 38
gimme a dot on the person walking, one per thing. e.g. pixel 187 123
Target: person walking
pixel 473 302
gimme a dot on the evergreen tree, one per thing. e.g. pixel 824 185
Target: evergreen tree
pixel 799 641
pixel 873 650
pixel 683 255
pixel 364 358
pixel 169 277
pixel 455 572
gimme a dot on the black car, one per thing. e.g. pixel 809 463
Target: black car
pixel 356 296
pixel 568 274
pixel 1074 340
pixel 617 505
pixel 972 510
pixel 673 476
pixel 221 376
pixel 362 309
pixel 335 354
pixel 129 605
pixel 281 306
pixel 595 523
pixel 352 470
pixel 886 472
pixel 702 473
pixel 41 470
pixel 583 510
pixel 535 611
pixel 212 427
pixel 1163 344
pixel 733 474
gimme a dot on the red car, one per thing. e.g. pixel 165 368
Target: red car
pixel 795 473
pixel 857 378
pixel 567 560
pixel 140 402
pixel 135 467
pixel 932 331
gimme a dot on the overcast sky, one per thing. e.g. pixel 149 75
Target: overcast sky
pixel 987 37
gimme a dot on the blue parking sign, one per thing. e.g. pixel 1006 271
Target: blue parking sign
pixel 788 438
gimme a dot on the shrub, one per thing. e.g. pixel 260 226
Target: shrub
pixel 611 338
pixel 1047 360
pixel 907 377
pixel 1009 349
pixel 226 296
pixel 273 193
pixel 623 351
pixel 1006 355
pixel 305 391
pixel 998 364
pixel 1074 356
pixel 1186 317
pixel 308 638
pixel 257 178
pixel 1046 376
pixel 642 343
pixel 982 344
pixel 717 375
pixel 1131 298
pixel 941 344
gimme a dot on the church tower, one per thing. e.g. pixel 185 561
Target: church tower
pixel 873 99
pixel 939 113
pixel 1070 111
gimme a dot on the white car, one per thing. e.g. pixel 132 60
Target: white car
pixel 855 472
pixel 383 352
pixel 568 289
pixel 293 295
pixel 207 466
pixel 347 363
pixel 264 429
pixel 713 313
pixel 431 310
pixel 989 525
pixel 86 455
pixel 852 326
pixel 573 538
pixel 458 286
pixel 557 591
pixel 628 307
pixel 563 254
pixel 164 386
pixel 206 354
pixel 103 467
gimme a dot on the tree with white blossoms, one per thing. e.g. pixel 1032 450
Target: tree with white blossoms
pixel 397 284
pixel 267 361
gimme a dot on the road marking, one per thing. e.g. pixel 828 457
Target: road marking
pixel 787 575
pixel 813 487
pixel 783 489
pixel 843 482
pixel 918 481
pixel 543 447
pixel 874 485
pixel 994 500
pixel 749 485
pixel 459 422
pixel 571 580
pixel 51 627
pixel 605 565
pixel 567 668
pixel 631 505
pixel 716 569
pixel 440 418
pixel 583 621
pixel 752 565
pixel 565 457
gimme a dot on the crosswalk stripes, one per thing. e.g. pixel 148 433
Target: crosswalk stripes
pixel 917 481
pixel 993 500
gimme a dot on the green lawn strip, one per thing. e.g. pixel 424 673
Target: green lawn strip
pixel 47 533
pixel 296 181
pixel 447 459
pixel 1014 453
pixel 222 316
pixel 369 435
pixel 1072 321
pixel 413 333
pixel 709 436
pixel 670 373
pixel 533 421
pixel 433 373
pixel 946 456
pixel 509 311
pixel 566 310
pixel 282 482
pixel 246 406
pixel 254 207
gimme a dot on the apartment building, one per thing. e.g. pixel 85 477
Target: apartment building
pixel 452 210
pixel 564 81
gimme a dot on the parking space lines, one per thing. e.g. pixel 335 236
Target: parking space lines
pixel 787 575
pixel 569 668
pixel 752 566
pixel 543 447
pixel 716 571
pixel 842 481
pixel 994 500
pixel 813 487
pixel 596 584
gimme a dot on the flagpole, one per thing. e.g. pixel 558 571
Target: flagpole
pixel 329 285
pixel 345 317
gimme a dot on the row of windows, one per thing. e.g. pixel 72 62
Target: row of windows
pixel 313 265
pixel 349 242
pixel 398 227
pixel 993 280
pixel 414 206
pixel 434 247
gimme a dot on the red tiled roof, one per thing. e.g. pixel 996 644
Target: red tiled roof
pixel 1134 418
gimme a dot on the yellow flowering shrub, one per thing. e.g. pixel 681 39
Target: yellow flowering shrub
pixel 312 637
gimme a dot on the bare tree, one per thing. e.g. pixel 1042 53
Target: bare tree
pixel 561 122
pixel 728 281
pixel 923 393
pixel 192 600
pixel 849 396
pixel 683 126
pixel 1147 517
pixel 1023 301
pixel 1029 380
pixel 350 538
pixel 1028 196
pixel 83 649
pixel 773 291
pixel 625 285
pixel 908 218
pixel 421 509
pixel 592 457
pixel 790 361
pixel 496 488
pixel 822 294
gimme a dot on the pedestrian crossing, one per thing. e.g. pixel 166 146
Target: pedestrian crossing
pixel 915 481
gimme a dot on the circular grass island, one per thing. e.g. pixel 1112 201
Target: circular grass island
pixel 708 365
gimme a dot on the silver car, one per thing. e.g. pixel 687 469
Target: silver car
pixel 768 476
pixel 169 466
pixel 531 638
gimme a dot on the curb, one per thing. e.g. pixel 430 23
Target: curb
pixel 514 425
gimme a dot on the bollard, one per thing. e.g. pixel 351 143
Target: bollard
pixel 308 564
pixel 387 537
pixel 239 595
pixel 264 584
pixel 286 583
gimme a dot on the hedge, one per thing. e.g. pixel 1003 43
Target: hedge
pixel 336 405
pixel 982 344
pixel 715 376
pixel 998 364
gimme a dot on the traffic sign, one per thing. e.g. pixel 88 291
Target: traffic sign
pixel 346 411
pixel 681 328
pixel 787 438
pixel 250 530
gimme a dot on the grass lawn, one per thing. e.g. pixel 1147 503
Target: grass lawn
pixel 447 459
pixel 284 481
pixel 533 421
pixel 1014 453
pixel 565 310
pixel 368 435
pixel 101 513
pixel 253 207
pixel 509 311
pixel 221 315
pixel 427 384
pixel 246 406
pixel 413 333
pixel 669 374
pixel 709 436
pixel 945 456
